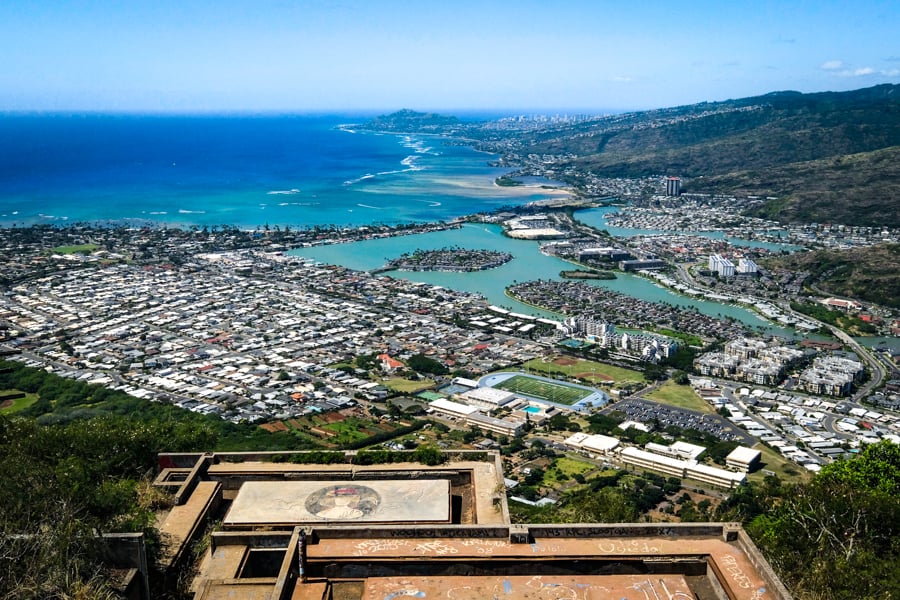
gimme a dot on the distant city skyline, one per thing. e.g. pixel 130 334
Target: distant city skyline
pixel 500 57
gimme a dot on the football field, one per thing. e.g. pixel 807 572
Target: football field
pixel 559 393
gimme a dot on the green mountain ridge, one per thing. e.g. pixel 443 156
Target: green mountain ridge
pixel 826 156
pixel 861 189
pixel 407 120
pixel 868 274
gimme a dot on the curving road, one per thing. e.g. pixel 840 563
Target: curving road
pixel 877 369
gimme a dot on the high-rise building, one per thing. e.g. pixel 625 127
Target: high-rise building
pixel 747 267
pixel 673 186
pixel 721 265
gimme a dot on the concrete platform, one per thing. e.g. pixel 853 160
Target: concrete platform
pixel 376 501
pixel 181 525
pixel 236 591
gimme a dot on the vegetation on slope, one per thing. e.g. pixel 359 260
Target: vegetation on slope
pixel 837 536
pixel 66 483
pixel 827 157
pixel 859 188
pixel 79 462
pixel 869 274
pixel 407 120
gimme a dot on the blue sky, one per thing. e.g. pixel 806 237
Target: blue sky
pixel 352 55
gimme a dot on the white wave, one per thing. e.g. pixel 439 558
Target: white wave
pixel 191 212
pixel 15 212
pixel 407 170
pixel 289 192
pixel 298 204
pixel 431 202
pixel 358 179
pixel 158 212
pixel 412 163
pixel 368 206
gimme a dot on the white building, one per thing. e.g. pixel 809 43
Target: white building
pixel 470 416
pixel 648 346
pixel 747 267
pixel 501 426
pixel 596 330
pixel 714 475
pixel 743 458
pixel 487 398
pixel 593 444
pixel 451 409
pixel 681 468
pixel 721 265
pixel 654 462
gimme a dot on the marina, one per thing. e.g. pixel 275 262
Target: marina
pixel 528 263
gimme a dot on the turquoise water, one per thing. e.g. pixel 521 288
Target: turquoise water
pixel 242 171
pixel 890 343
pixel 532 409
pixel 596 218
pixel 528 264
pixel 573 343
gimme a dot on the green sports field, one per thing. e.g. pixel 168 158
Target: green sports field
pixel 559 393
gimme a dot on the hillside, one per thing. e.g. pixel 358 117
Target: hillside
pixel 869 274
pixel 407 120
pixel 827 156
pixel 861 189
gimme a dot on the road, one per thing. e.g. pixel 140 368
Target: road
pixel 876 369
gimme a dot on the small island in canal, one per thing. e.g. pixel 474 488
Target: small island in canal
pixel 582 274
pixel 448 259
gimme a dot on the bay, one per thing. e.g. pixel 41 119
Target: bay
pixel 245 171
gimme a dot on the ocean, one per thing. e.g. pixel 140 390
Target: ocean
pixel 246 171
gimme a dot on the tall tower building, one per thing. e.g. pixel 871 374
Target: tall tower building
pixel 673 186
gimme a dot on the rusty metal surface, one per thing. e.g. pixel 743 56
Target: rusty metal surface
pixel 732 566
pixel 524 587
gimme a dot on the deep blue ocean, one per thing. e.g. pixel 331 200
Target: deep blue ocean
pixel 234 170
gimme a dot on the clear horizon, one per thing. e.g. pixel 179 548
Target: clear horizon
pixel 502 57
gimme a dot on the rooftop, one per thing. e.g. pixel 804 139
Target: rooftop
pixel 315 532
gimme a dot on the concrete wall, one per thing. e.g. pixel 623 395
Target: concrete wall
pixel 127 551
pixel 773 583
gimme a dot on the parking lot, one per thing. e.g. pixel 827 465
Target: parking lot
pixel 645 411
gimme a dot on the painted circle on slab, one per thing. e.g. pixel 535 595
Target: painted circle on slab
pixel 343 502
